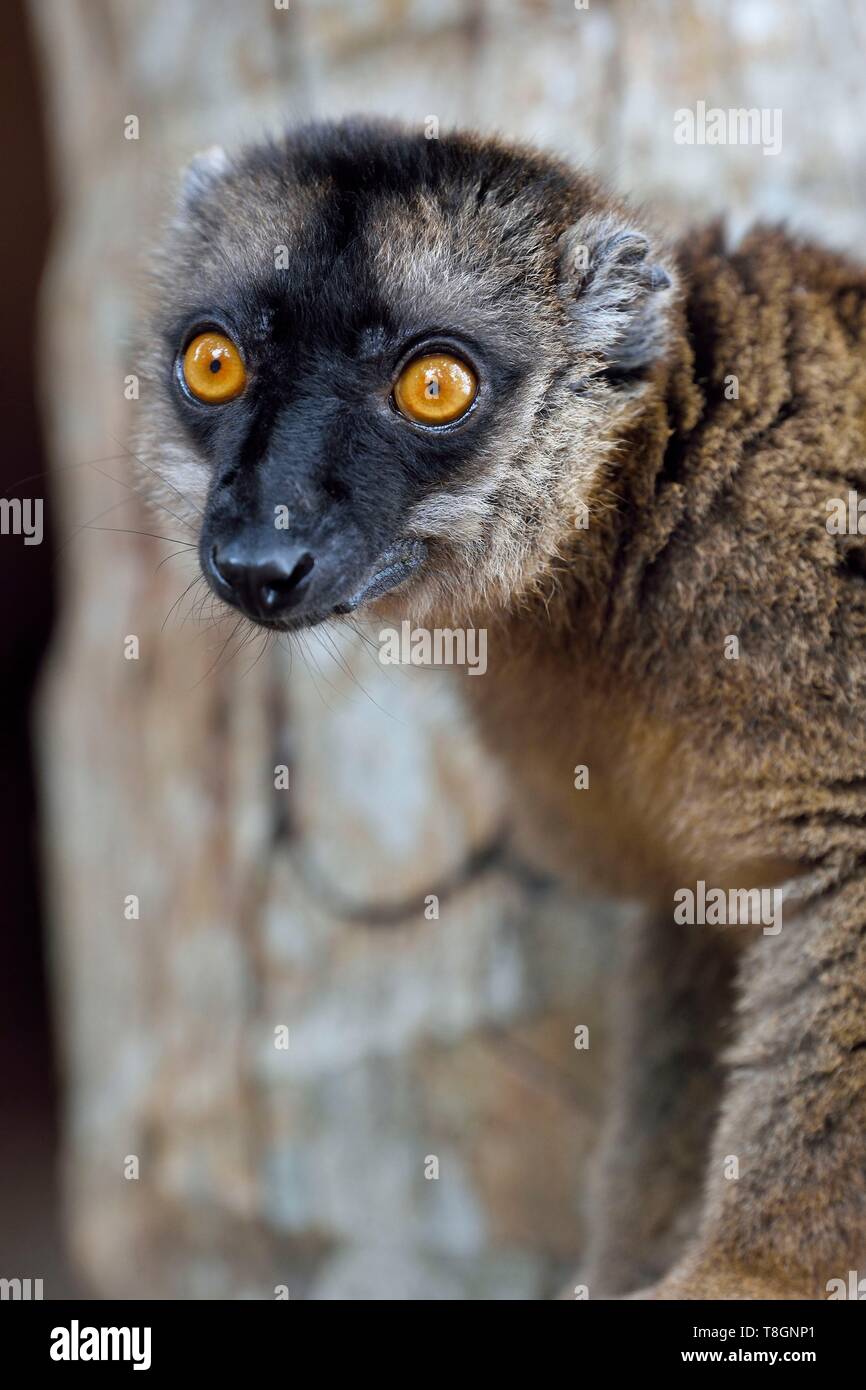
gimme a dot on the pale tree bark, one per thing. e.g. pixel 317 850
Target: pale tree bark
pixel 304 909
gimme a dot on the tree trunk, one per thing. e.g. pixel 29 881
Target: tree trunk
pixel 199 910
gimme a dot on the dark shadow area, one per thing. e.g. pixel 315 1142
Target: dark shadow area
pixel 30 1245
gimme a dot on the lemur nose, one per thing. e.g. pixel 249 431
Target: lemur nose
pixel 262 586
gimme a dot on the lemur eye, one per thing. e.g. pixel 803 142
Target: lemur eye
pixel 213 369
pixel 435 389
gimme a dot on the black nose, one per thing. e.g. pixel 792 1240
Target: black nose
pixel 261 585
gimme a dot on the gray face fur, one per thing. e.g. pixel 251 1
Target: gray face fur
pixel 331 258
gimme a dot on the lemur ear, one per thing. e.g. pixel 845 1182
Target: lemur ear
pixel 617 293
pixel 203 171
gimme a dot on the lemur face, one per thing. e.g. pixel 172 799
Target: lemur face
pixel 385 363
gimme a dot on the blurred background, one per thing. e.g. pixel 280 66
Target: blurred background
pixel 171 918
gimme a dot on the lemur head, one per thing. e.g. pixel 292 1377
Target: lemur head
pixel 386 364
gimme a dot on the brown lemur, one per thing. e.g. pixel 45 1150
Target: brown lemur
pixel 484 395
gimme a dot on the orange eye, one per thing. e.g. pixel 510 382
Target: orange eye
pixel 212 368
pixel 435 389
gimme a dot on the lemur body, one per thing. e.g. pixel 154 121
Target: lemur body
pixel 642 473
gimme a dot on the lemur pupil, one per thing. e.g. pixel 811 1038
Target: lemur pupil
pixel 215 365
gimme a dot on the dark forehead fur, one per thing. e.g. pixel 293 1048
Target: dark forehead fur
pixel 359 157
pixel 333 193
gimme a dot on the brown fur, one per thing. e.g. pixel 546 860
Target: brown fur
pixel 739 772
pixel 606 647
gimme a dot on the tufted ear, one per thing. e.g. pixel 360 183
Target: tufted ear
pixel 203 171
pixel 617 293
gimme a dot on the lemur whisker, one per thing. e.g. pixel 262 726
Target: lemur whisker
pixel 131 531
pixel 264 647
pixel 149 501
pixel 88 525
pixel 131 453
pixel 173 556
pixel 297 642
pixel 54 469
pixel 213 668
pixel 191 585
pixel 343 663
pixel 106 511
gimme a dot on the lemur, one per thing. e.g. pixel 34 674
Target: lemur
pixel 485 395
